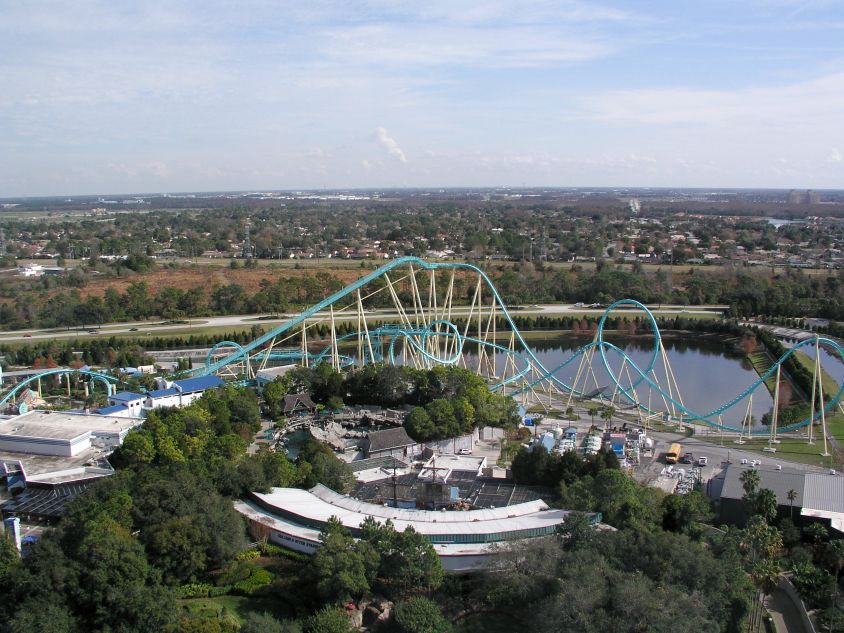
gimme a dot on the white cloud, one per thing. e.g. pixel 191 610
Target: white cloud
pixel 390 144
pixel 834 156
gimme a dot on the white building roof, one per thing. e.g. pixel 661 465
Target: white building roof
pixel 320 504
pixel 64 424
pixel 823 497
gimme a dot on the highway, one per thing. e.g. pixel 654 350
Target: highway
pixel 144 328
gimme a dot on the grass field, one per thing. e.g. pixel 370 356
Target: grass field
pixel 234 608
pixel 830 385
pixel 762 362
pixel 799 450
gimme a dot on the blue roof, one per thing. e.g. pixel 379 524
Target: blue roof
pixel 127 396
pixel 160 393
pixel 199 384
pixel 115 408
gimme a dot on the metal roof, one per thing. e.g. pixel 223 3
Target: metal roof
pixel 161 393
pixel 112 409
pixel 778 481
pixel 127 396
pixel 199 384
pixel 824 492
pixel 389 439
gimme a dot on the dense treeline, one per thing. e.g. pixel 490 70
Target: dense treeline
pixel 748 293
pixel 124 352
pixel 118 558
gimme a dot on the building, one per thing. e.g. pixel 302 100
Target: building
pixel 125 404
pixel 63 434
pixel 178 393
pixel 823 498
pixel 298 404
pixel 267 375
pixel 48 458
pixel 390 442
pixel 729 491
pixel 464 540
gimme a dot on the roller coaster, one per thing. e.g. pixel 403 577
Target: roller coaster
pixel 450 313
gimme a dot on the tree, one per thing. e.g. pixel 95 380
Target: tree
pixel 576 531
pixel 686 513
pixel 420 615
pixel 607 414
pixel 266 623
pixel 338 568
pixel 765 504
pixel 328 620
pixel 792 495
pixel 273 394
pixel 9 557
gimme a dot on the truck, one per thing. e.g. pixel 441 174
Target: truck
pixel 673 453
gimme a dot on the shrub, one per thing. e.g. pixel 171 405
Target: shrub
pixel 247 554
pixel 420 615
pixel 259 577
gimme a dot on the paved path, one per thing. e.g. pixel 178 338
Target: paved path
pixel 784 612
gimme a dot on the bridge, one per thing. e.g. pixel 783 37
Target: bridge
pixel 450 313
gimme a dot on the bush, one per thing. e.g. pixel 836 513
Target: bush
pixel 195 590
pixel 248 554
pixel 420 615
pixel 259 577
pixel 238 571
pixel 271 549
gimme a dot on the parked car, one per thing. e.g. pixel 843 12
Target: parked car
pixel 688 458
pixel 464 451
pixel 702 461
pixel 133 329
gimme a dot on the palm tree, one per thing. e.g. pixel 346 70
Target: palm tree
pixel 792 495
pixel 607 414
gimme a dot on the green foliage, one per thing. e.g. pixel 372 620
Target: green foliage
pixel 248 554
pixel 686 513
pixel 338 567
pixel 626 581
pixel 258 578
pixel 328 620
pixel 266 623
pixel 318 465
pixel 420 615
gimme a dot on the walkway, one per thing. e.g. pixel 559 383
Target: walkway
pixel 784 612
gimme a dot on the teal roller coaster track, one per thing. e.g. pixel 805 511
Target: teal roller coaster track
pixel 434 324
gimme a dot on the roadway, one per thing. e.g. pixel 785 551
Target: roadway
pixel 243 321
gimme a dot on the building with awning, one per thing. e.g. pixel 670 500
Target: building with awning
pixel 823 498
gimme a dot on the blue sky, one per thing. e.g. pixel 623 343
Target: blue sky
pixel 113 96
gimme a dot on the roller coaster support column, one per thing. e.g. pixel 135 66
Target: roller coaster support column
pixel 814 393
pixel 775 417
pixel 818 379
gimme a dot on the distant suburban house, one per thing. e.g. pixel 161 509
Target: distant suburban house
pixel 390 442
pixel 298 404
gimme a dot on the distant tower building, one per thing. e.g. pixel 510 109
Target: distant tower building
pixel 246 252
pixel 803 197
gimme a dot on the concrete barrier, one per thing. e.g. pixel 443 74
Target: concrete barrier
pixel 791 592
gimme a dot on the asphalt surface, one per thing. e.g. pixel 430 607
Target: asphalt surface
pixel 142 328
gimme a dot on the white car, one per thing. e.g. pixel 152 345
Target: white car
pixel 702 461
pixel 464 451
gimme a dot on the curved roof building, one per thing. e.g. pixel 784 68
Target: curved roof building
pixel 293 518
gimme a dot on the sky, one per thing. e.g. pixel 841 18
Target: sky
pixel 145 96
